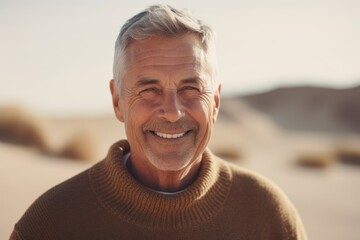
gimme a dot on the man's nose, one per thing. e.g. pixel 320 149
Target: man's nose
pixel 171 109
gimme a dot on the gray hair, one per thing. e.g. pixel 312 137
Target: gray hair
pixel 158 20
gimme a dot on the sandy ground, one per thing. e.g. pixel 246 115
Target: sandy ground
pixel 327 199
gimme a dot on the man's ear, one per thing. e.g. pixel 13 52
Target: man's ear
pixel 115 101
pixel 217 102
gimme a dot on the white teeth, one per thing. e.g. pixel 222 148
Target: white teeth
pixel 171 136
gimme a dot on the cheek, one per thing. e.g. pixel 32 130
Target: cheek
pixel 133 104
pixel 202 114
pixel 201 109
pixel 207 106
pixel 138 112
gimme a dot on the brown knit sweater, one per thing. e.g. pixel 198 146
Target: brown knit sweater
pixel 106 202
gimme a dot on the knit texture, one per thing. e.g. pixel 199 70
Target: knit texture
pixel 107 202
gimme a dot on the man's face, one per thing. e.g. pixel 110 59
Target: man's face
pixel 167 101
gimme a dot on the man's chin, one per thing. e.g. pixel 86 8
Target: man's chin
pixel 171 161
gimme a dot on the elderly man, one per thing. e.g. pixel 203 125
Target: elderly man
pixel 162 182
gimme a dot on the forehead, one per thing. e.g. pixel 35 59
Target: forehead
pixel 166 55
pixel 181 45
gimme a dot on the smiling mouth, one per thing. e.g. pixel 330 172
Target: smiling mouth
pixel 169 136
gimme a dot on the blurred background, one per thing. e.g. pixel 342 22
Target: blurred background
pixel 52 49
pixel 290 73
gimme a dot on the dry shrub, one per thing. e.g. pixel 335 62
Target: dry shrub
pixel 316 160
pixel 349 155
pixel 82 146
pixel 17 126
pixel 228 153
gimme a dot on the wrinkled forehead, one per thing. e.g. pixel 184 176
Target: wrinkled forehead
pixel 164 52
pixel 184 46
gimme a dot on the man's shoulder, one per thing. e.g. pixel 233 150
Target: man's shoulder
pixel 253 182
pixel 70 188
pixel 254 189
pixel 62 194
pixel 263 203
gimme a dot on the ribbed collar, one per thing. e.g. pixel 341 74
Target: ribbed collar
pixel 122 195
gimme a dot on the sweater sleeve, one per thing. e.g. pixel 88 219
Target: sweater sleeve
pixel 50 216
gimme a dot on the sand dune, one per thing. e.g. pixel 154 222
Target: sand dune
pixel 21 127
pixel 311 108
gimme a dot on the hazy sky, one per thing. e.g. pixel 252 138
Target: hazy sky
pixel 56 56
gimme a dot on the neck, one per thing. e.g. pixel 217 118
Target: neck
pixel 165 181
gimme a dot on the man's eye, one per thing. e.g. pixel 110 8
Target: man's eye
pixel 190 91
pixel 190 88
pixel 150 92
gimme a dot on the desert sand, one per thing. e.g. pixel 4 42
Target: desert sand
pixel 326 195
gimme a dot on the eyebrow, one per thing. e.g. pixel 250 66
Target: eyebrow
pixel 144 82
pixel 194 80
